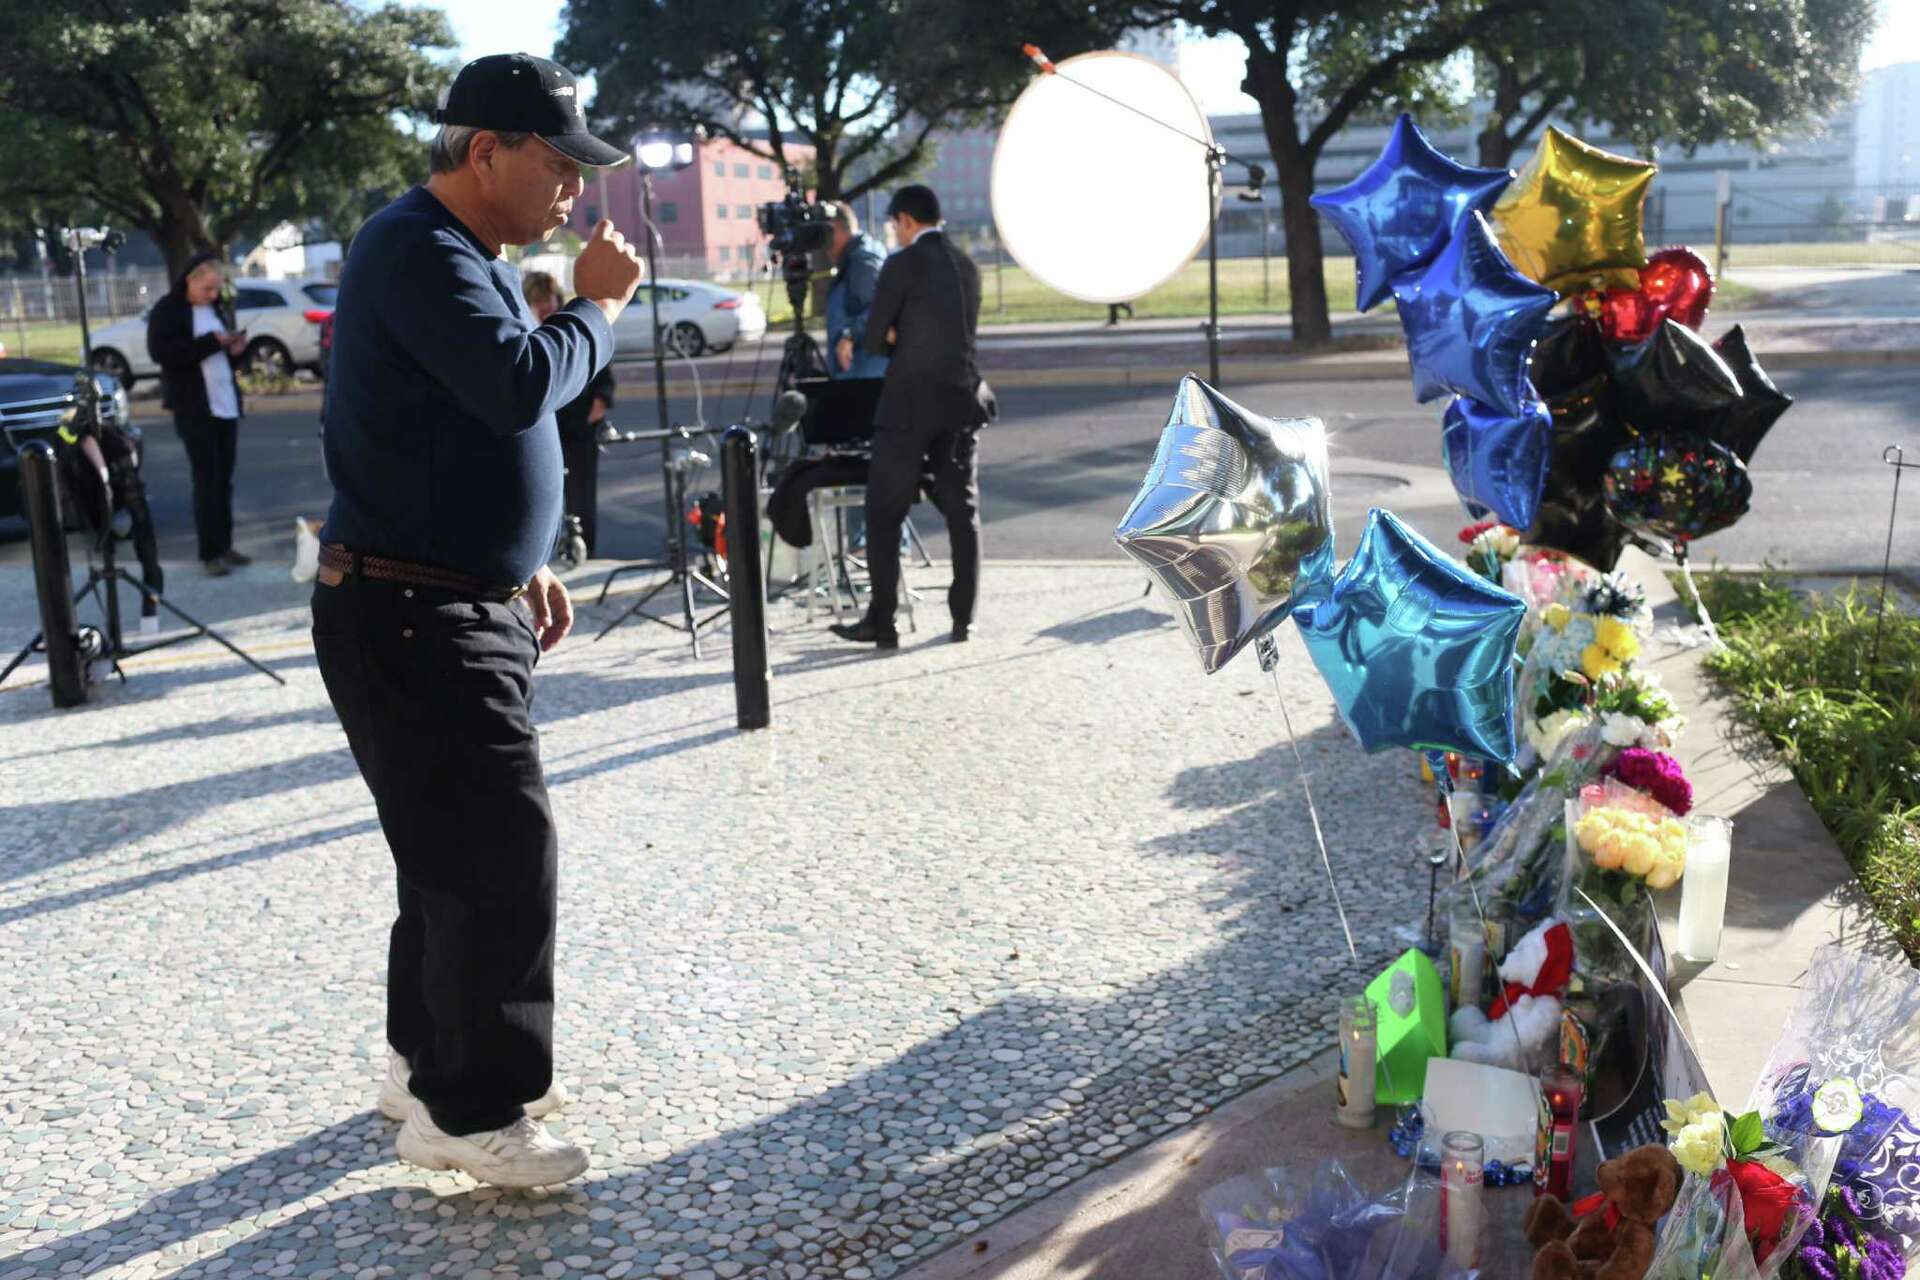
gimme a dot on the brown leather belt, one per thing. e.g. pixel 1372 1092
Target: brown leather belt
pixel 353 564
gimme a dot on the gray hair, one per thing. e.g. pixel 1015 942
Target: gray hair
pixel 844 215
pixel 451 144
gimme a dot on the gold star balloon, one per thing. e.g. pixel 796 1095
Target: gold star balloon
pixel 1571 220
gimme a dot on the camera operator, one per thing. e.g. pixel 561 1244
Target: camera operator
pixel 579 420
pixel 433 601
pixel 857 259
pixel 925 310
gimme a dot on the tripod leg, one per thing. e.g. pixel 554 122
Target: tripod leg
pixel 21 656
pixel 637 605
pixel 218 639
pixel 686 607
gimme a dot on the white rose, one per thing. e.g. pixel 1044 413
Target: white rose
pixel 1547 732
pixel 1622 730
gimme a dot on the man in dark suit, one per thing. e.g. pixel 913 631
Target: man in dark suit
pixel 925 310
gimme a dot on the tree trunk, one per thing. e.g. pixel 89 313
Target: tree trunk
pixel 1496 148
pixel 1306 263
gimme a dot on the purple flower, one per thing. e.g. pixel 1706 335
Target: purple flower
pixel 1818 1262
pixel 1657 774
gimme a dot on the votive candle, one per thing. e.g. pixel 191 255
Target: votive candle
pixel 1462 1166
pixel 1359 1043
pixel 1703 888
pixel 1466 952
pixel 1556 1147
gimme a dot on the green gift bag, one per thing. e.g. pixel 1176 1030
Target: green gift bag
pixel 1413 1026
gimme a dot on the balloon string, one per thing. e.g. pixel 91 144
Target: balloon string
pixel 1313 811
pixel 1443 782
pixel 1693 592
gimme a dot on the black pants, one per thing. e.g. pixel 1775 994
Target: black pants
pixel 434 692
pixel 900 456
pixel 580 452
pixel 211 443
pixel 130 494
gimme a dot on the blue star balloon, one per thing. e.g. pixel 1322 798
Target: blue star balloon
pixel 1471 321
pixel 1498 461
pixel 1399 213
pixel 1417 650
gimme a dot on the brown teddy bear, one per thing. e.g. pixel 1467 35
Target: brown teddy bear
pixel 1609 1236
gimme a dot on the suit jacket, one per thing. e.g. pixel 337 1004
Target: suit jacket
pixel 929 293
pixel 173 346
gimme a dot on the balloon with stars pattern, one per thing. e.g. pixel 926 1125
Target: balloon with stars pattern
pixel 1675 487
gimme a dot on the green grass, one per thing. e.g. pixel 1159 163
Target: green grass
pixel 42 341
pixel 1799 670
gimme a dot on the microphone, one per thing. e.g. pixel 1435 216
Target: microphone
pixel 788 409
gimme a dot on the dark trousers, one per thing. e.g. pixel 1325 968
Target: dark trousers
pixel 130 494
pixel 900 456
pixel 434 692
pixel 580 453
pixel 211 443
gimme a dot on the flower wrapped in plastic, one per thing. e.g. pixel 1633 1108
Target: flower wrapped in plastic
pixel 1748 1200
pixel 1521 861
pixel 1321 1225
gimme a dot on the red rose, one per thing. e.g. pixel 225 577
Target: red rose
pixel 1765 1200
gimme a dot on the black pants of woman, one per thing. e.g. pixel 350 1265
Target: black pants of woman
pixel 210 445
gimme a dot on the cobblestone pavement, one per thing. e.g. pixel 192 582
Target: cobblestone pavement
pixel 968 923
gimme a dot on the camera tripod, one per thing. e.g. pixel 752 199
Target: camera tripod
pixel 103 584
pixel 682 573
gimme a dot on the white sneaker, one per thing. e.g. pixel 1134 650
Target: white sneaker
pixel 396 1100
pixel 523 1154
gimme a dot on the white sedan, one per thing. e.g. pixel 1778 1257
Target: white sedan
pixel 695 317
pixel 282 319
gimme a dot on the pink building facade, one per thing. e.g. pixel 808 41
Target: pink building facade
pixel 705 212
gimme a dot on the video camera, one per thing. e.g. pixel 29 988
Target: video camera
pixel 794 225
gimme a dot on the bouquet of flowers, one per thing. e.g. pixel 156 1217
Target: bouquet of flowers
pixel 1490 545
pixel 1748 1198
pixel 1832 1119
pixel 1621 838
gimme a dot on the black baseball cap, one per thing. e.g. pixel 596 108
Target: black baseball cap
pixel 519 93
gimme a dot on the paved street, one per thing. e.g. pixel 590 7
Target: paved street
pixel 968 923
pixel 1061 465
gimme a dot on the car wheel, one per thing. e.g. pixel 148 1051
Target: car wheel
pixel 687 338
pixel 268 356
pixel 110 362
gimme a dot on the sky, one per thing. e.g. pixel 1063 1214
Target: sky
pixel 1214 68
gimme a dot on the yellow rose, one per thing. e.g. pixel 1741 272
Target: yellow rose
pixel 1556 615
pixel 1700 1147
pixel 1642 853
pixel 1682 1114
pixel 1597 662
pixel 1663 876
pixel 1611 851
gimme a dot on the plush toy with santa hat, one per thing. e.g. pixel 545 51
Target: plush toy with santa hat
pixel 1524 1021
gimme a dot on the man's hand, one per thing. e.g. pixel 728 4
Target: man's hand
pixel 893 334
pixel 596 411
pixel 843 351
pixel 551 605
pixel 607 270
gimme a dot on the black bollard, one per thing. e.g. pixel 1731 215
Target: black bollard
pixel 746 588
pixel 52 577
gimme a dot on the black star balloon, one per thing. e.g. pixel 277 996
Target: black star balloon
pixel 1233 519
pixel 1742 426
pixel 1569 353
pixel 1673 381
pixel 1587 432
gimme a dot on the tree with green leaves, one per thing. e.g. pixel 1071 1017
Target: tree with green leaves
pixel 862 83
pixel 197 121
pixel 1315 66
pixel 1675 72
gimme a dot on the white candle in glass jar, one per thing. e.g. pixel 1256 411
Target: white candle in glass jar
pixel 1359 1044
pixel 1703 887
pixel 1462 1161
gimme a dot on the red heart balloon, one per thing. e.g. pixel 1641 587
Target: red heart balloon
pixel 1679 284
pixel 1674 284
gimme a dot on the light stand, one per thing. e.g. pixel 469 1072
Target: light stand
pixel 651 155
pixel 1216 158
pixel 103 580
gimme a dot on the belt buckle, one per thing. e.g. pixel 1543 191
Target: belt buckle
pixel 515 594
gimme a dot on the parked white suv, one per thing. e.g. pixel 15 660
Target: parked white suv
pixel 695 317
pixel 282 319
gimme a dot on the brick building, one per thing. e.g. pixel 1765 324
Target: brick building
pixel 705 212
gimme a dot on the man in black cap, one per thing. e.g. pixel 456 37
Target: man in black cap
pixel 433 601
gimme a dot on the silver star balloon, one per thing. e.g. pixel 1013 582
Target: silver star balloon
pixel 1233 519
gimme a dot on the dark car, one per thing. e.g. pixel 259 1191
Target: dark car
pixel 35 397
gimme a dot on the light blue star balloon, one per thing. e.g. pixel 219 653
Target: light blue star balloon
pixel 1498 462
pixel 1398 214
pixel 1417 650
pixel 1471 321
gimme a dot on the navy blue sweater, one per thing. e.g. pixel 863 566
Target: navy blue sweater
pixel 439 421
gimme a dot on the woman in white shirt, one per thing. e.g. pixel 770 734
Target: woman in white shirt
pixel 191 336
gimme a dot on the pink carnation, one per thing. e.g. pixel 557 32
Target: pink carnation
pixel 1657 774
